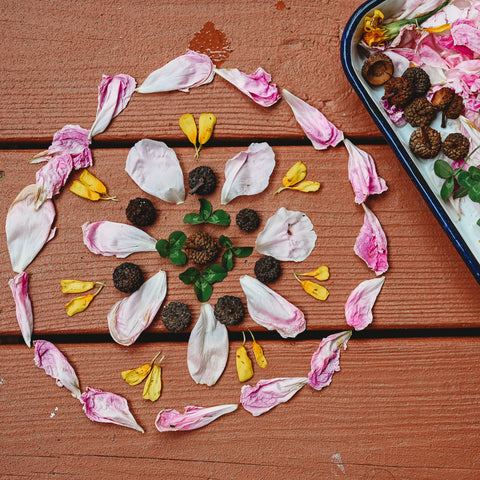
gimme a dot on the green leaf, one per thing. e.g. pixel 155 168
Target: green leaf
pixel 474 173
pixel 461 192
pixel 478 222
pixel 227 260
pixel 205 208
pixel 474 193
pixel 225 242
pixel 219 217
pixel 214 273
pixel 190 275
pixel 447 188
pixel 193 219
pixel 242 252
pixel 203 290
pixel 443 169
pixel 177 257
pixel 176 240
pixel 464 179
pixel 163 248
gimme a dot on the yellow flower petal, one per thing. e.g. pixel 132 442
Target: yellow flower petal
pixel 78 304
pixel 92 182
pixel 321 273
pixel 76 286
pixel 153 385
pixel 244 364
pixel 258 351
pixel 307 186
pixel 136 375
pixel 439 29
pixel 80 189
pixel 189 128
pixel 206 122
pixel 296 174
pixel 315 290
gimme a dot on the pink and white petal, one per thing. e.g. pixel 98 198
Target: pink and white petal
pixel 288 236
pixel 74 140
pixel 52 360
pixel 257 85
pixel 317 128
pixel 271 310
pixel 23 305
pixel 267 394
pixel 358 308
pixel 106 407
pixel 129 317
pixel 155 168
pixel 248 173
pixel 207 352
pixel 182 73
pixel 170 420
pixel 119 239
pixel 326 360
pixel 28 229
pixel 371 243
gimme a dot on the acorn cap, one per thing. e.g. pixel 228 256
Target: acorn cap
pixel 456 146
pixel 127 277
pixel 425 142
pixel 420 79
pixel 229 310
pixel 141 212
pixel 420 112
pixel 267 269
pixel 176 316
pixel 247 220
pixel 202 181
pixel 200 248
pixel 398 91
pixel 377 69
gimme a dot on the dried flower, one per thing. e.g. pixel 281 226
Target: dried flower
pixel 129 317
pixel 317 128
pixel 153 385
pixel 27 229
pixel 155 168
pixel 358 308
pixel 23 306
pixel 258 351
pixel 89 186
pixel 267 394
pixel 288 235
pixel 256 85
pixel 106 407
pixel 270 310
pixel 79 304
pixel 243 362
pixel 248 173
pixel 77 286
pixel 326 360
pixel 52 360
pixel 114 93
pixel 170 420
pixel 207 352
pixel 314 289
pixel 320 273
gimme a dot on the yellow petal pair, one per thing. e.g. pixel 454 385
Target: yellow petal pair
pixel 293 180
pixel 90 187
pixel 206 124
pixel 79 304
pixel 314 289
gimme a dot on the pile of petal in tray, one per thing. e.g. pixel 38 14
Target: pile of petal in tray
pixel 287 236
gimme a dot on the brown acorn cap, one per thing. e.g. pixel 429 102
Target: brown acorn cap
pixel 377 69
pixel 425 142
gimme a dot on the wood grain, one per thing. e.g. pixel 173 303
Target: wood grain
pixel 397 409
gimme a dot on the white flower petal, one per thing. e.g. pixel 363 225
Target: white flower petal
pixel 358 308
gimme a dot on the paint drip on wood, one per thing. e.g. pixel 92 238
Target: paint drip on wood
pixel 211 42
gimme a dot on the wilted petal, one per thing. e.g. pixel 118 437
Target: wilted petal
pixel 27 229
pixel 119 239
pixel 256 85
pixel 23 306
pixel 467 34
pixel 207 352
pixel 317 128
pixel 52 177
pixel 52 360
pixel 288 235
pixel 106 407
pixel 358 309
pixel 155 168
pixel 170 420
pixel 371 243
pixel 362 173
pixel 248 172
pixel 472 132
pixel 74 140
pixel 271 310
pixel 182 73
pixel 267 394
pixel 326 360
pixel 113 96
pixel 129 317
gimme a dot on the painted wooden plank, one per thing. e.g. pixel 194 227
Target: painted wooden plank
pixel 54 55
pixel 399 408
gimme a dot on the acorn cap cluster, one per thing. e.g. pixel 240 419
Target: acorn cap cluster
pixel 128 277
pixel 176 317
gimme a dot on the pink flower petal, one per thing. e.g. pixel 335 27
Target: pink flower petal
pixel 466 34
pixel 248 173
pixel 52 360
pixel 155 168
pixel 169 420
pixel 358 309
pixel 288 235
pixel 394 113
pixel 74 140
pixel 371 243
pixel 267 394
pixel 271 310
pixel 23 306
pixel 256 85
pixel 119 239
pixel 106 407
pixel 207 352
pixel 326 360
pixel 27 229
pixel 317 128
pixel 114 93
pixel 182 73
pixel 362 173
pixel 129 317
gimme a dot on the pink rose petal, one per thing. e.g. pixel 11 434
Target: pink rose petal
pixel 23 306
pixel 74 140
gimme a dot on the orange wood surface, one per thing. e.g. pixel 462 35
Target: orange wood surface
pixel 405 404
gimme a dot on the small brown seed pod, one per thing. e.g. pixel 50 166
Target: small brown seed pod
pixel 377 69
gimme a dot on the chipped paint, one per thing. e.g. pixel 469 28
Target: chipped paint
pixel 337 461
